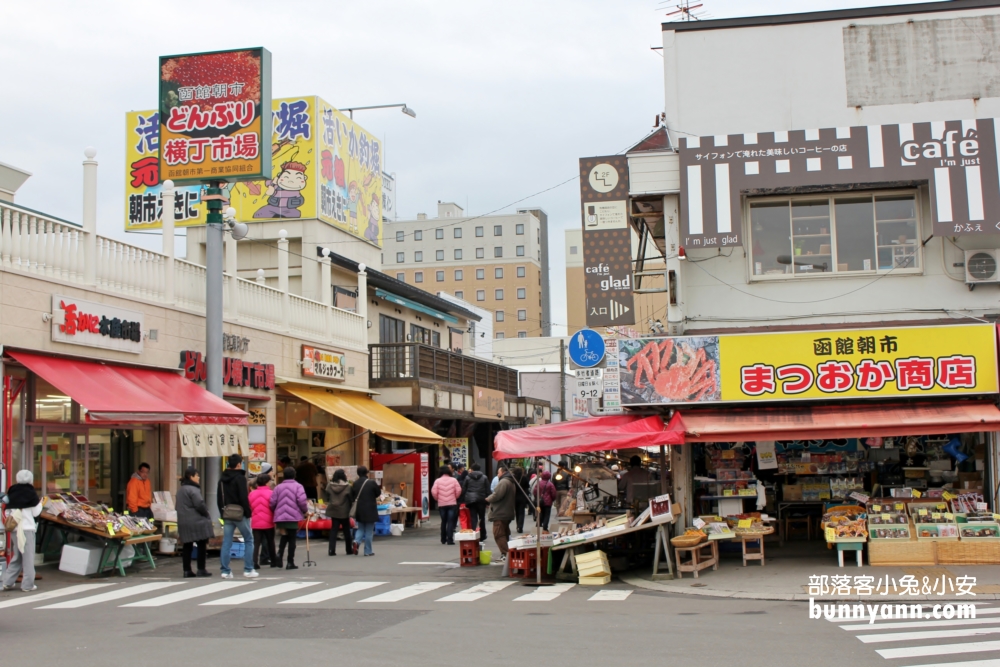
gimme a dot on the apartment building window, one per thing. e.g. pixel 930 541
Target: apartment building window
pixel 519 229
pixel 572 250
pixel 499 335
pixel 480 295
pixel 520 272
pixel 439 233
pixel 459 294
pixel 849 233
pixel 459 274
pixel 439 255
pixel 400 257
pixel 498 272
pixel 480 253
pixel 498 294
pixel 418 256
pixel 457 232
pixel 498 251
pixel 399 236
pixel 522 293
pixel 401 277
pixel 418 277
pixel 480 274
pixel 419 334
pixel 439 276
pixel 479 231
pixel 418 235
pixel 522 315
pixel 522 334
pixel 520 251
pixel 458 253
pixel 497 230
pixel 499 316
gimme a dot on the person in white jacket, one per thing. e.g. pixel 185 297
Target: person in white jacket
pixel 23 504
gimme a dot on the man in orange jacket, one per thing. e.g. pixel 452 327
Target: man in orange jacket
pixel 139 493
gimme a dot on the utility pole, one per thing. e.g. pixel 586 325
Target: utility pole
pixel 562 379
pixel 214 235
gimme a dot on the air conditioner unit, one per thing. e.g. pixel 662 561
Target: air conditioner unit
pixel 982 266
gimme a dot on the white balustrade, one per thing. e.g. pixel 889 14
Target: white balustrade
pixel 32 242
pixel 258 304
pixel 189 285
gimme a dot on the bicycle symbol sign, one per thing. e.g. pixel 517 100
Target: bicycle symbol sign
pixel 586 348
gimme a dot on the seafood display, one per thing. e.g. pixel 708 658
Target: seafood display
pixel 95 516
pixel 670 370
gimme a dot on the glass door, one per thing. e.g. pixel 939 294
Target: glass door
pixel 59 461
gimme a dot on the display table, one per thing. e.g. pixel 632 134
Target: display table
pixel 408 516
pixel 112 544
pixel 698 560
pixel 786 505
pixel 662 550
pixel 855 544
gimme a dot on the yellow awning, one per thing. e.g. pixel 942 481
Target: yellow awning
pixel 366 413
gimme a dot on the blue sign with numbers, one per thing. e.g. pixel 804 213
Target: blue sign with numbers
pixel 586 348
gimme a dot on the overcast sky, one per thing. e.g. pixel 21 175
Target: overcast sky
pixel 508 94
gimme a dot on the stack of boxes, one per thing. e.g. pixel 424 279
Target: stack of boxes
pixel 593 568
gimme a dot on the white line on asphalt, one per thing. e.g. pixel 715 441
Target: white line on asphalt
pixel 980 610
pixel 545 593
pixel 609 596
pixel 48 595
pixel 332 593
pixel 993 662
pixel 477 592
pixel 112 595
pixel 941 649
pixel 408 591
pixel 935 634
pixel 416 562
pixel 261 593
pixel 921 624
pixel 190 593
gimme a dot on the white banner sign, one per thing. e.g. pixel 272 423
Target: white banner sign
pixel 766 460
pixel 96 325
pixel 200 440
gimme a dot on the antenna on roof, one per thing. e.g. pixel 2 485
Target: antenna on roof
pixel 685 11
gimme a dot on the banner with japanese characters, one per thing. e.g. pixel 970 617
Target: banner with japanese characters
pixel 816 365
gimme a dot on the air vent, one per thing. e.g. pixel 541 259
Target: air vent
pixel 981 266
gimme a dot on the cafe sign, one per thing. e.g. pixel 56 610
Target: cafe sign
pixel 93 324
pixel 322 364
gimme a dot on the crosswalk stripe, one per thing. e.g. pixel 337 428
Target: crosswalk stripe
pixel 408 591
pixel 332 593
pixel 937 634
pixel 260 593
pixel 188 594
pixel 48 595
pixel 941 649
pixel 992 662
pixel 609 596
pixel 477 592
pixel 545 593
pixel 981 610
pixel 112 595
pixel 921 624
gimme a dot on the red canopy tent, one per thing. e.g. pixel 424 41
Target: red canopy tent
pixel 585 435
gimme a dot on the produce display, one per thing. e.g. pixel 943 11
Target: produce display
pixel 847 522
pixel 82 513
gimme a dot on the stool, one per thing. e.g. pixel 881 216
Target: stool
pixel 756 553
pixel 698 559
pixel 468 553
pixel 798 522
pixel 856 547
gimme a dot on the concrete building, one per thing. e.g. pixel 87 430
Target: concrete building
pixel 540 374
pixel 498 262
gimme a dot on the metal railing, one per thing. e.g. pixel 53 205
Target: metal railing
pixel 402 361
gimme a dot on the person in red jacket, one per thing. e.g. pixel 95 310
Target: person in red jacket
pixel 545 495
pixel 446 491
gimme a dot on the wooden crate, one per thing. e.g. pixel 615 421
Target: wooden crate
pixel 902 552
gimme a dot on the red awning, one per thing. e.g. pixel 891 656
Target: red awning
pixel 855 420
pixel 584 435
pixel 122 394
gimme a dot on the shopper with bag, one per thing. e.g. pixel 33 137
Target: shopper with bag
pixel 446 491
pixel 234 507
pixel 22 506
pixel 476 488
pixel 521 502
pixel 544 495
pixel 338 510
pixel 364 496
pixel 262 522
pixel 194 524
pixel 502 509
pixel 290 505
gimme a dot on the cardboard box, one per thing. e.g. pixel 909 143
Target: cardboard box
pixel 82 558
pixel 595 581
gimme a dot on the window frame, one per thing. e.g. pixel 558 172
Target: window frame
pixel 480 232
pixel 497 230
pixel 480 253
pixel 522 334
pixel 457 233
pixel 519 229
pixel 498 294
pixel 480 274
pixel 519 251
pixel 439 276
pixel 499 315
pixel 400 236
pixel 522 271
pixel 522 315
pixel 522 292
pixel 400 258
pixel 418 235
pixel 439 255
pixel 498 273
pixel 418 255
pixel 401 277
pixel 498 252
pixel 439 234
pixel 457 254
pixel 480 295
pixel 460 294
pixel 459 274
pixel 831 198
pixel 418 276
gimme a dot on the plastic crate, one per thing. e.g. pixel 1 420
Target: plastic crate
pixel 382 529
pixel 237 550
pixel 384 520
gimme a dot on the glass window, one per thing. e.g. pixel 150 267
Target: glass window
pixel 400 257
pixel 520 272
pixel 520 251
pixel 279 411
pixel 401 277
pixel 321 418
pixel 855 234
pixel 522 293
pixel 439 255
pixel 479 231
pixel 499 335
pixel 297 414
pixel 480 253
pixel 499 316
pixel 436 338
pixel 457 233
pixel 497 230
pixel 522 315
pixel 418 277
pixel 498 272
pixel 459 274
pixel 51 405
pixel 399 236
pixel 498 251
pixel 522 334
pixel 572 250
pixel 459 294
pixel 480 295
pixel 418 235
pixel 418 256
pixel 458 253
pixel 439 276
pixel 439 233
pixel 480 274
pixel 897 233
pixel 498 294
pixel 519 229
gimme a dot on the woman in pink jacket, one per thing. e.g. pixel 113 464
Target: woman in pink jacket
pixel 446 491
pixel 262 521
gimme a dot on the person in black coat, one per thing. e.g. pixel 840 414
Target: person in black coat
pixel 521 502
pixel 365 493
pixel 475 488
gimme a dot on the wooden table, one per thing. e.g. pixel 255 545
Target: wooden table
pixel 661 551
pixel 758 553
pixel 112 544
pixel 696 564
pixel 410 516
pixel 855 544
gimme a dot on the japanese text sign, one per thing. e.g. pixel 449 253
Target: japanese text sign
pixel 317 363
pixel 96 325
pixel 213 114
pixel 958 159
pixel 453 451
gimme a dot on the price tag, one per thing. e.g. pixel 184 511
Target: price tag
pixel 942 506
pixel 922 512
pixel 935 515
pixel 729 454
pixel 900 507
pixel 727 492
pixel 698 523
pixel 981 507
pixel 876 508
pixel 949 516
pixel 111 529
pixel 831 535
pixel 996 517
pixel 744 523
pixel 948 496
pixel 887 517
pixel 916 494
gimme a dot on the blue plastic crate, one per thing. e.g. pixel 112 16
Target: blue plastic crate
pixel 384 520
pixel 382 529
pixel 237 550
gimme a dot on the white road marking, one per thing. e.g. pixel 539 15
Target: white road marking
pixel 609 596
pixel 993 662
pixel 332 593
pixel 48 595
pixel 420 562
pixel 941 649
pixel 477 592
pixel 190 593
pixel 921 624
pixel 545 593
pixel 408 591
pixel 112 595
pixel 936 634
pixel 261 593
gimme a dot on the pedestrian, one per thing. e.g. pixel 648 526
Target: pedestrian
pixel 289 505
pixel 233 497
pixel 562 484
pixel 475 491
pixel 545 494
pixel 502 509
pixel 521 498
pixel 139 493
pixel 23 504
pixel 262 522
pixel 446 491
pixel 194 524
pixel 494 482
pixel 305 474
pixel 364 495
pixel 338 510
pixel 460 475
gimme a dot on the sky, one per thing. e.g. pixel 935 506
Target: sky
pixel 508 95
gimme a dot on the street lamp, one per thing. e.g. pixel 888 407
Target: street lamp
pixel 407 110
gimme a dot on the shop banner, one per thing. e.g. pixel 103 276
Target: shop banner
pixel 96 325
pixel 453 451
pixel 323 364
pixel 200 440
pixel 817 365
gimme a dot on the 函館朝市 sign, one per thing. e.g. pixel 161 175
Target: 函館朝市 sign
pixel 832 364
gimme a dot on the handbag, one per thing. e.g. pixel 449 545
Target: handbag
pixel 9 522
pixel 232 512
pixel 354 505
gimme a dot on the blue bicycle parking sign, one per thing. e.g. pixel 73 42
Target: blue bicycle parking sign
pixel 586 348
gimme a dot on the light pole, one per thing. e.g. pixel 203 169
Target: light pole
pixel 407 110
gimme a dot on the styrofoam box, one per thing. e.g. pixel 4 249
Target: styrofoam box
pixel 396 529
pixel 80 558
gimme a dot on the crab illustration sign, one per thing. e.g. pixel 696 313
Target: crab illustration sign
pixel 829 364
